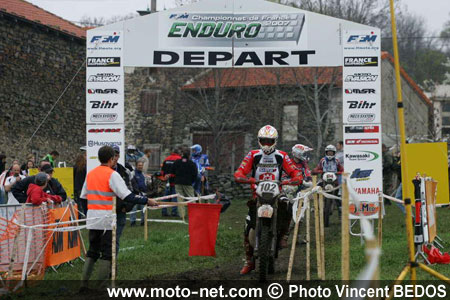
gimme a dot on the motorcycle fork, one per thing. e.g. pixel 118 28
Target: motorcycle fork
pixel 273 227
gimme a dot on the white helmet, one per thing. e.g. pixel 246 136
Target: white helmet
pixel 299 150
pixel 267 139
pixel 330 148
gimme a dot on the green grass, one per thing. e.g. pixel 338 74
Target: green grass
pixel 165 254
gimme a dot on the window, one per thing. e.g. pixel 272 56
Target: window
pixel 446 131
pixel 446 106
pixel 290 122
pixel 149 102
pixel 445 121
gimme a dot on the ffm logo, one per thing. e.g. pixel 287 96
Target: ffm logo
pixel 360 39
pixel 111 39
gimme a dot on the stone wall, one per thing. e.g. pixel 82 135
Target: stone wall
pixel 36 64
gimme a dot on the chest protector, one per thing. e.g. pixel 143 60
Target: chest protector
pixel 267 167
pixel 329 165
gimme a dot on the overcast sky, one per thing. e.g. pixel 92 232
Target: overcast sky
pixel 435 12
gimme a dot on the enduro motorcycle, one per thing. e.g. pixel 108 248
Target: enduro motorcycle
pixel 328 183
pixel 265 237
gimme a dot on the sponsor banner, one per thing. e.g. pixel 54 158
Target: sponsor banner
pixel 104 135
pixel 104 77
pixel 363 163
pixel 64 246
pixel 237 58
pixel 105 109
pixel 362 41
pixel 357 61
pixel 198 29
pixel 104 42
pixel 361 77
pixel 103 61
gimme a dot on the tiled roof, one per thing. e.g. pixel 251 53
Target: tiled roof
pixel 267 77
pixel 33 13
pixel 232 78
pixel 414 86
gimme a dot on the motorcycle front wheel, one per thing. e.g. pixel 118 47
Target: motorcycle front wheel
pixel 263 251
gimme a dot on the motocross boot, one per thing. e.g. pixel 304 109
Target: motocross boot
pixel 249 261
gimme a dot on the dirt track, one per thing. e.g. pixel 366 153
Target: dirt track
pixel 231 270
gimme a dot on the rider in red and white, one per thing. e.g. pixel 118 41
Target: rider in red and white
pixel 266 163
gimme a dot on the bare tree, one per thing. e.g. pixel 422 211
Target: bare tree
pixel 87 21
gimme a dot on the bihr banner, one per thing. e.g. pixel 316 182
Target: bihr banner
pixel 361 88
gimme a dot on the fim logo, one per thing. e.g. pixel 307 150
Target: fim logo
pixel 361 39
pixel 361 175
pixel 110 39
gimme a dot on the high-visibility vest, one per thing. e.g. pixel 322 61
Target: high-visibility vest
pixel 99 194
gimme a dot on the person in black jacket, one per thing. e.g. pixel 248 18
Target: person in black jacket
pixel 79 176
pixel 185 172
pixel 122 206
pixel 53 187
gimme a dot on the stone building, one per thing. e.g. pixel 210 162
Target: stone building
pixel 441 103
pixel 40 54
pixel 163 108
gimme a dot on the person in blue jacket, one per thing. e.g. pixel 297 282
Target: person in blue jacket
pixel 202 162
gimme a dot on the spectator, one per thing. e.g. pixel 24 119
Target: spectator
pixel 24 168
pixel 122 206
pixel 2 163
pixel 166 172
pixel 139 188
pixel 51 157
pixel 53 186
pixel 35 192
pixel 29 165
pixel 202 162
pixel 340 152
pixel 185 172
pixel 2 177
pixel 146 160
pixel 132 156
pixel 79 176
pixel 388 170
pixel 11 181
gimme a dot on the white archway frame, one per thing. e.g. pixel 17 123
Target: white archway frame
pixel 242 34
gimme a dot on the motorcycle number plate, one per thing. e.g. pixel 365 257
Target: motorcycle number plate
pixel 265 211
